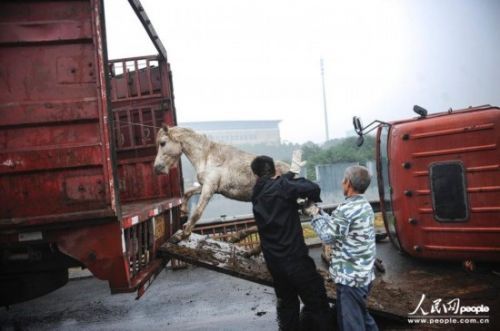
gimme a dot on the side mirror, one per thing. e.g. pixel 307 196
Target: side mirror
pixel 360 141
pixel 420 111
pixel 356 121
pixel 360 130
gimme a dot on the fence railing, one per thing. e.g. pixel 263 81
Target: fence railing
pixel 135 78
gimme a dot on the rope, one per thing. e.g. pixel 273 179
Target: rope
pixel 138 124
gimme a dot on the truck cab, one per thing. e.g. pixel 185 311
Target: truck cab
pixel 439 183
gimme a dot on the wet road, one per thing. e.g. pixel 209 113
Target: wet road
pixel 189 299
pixel 200 299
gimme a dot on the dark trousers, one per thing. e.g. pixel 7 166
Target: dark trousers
pixel 352 313
pixel 299 278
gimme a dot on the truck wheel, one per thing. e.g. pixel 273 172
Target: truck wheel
pixel 16 288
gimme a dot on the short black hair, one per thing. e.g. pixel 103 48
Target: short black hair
pixel 263 166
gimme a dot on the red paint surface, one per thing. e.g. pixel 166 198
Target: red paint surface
pixel 472 137
pixel 77 138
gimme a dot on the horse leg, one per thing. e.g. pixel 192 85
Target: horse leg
pixel 185 199
pixel 206 193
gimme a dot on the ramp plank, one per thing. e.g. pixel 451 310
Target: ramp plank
pixel 229 259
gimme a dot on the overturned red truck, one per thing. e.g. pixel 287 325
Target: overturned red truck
pixel 77 143
pixel 439 183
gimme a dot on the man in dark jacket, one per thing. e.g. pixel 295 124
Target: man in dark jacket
pixel 294 273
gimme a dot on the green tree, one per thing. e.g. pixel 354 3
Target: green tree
pixel 333 151
pixel 339 150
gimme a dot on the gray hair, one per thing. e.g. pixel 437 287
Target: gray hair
pixel 359 177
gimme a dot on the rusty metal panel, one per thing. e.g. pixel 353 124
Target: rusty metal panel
pixel 99 248
pixel 44 21
pixel 54 150
pixel 77 142
pixel 471 138
pixel 142 100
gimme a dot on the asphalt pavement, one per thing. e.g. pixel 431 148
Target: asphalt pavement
pixel 199 299
pixel 188 299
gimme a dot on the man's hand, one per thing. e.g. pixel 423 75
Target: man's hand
pixel 297 162
pixel 311 210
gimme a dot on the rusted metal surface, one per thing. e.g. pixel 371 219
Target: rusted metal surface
pixel 58 131
pixel 142 101
pixel 135 78
pixel 101 58
pixel 469 137
pixel 52 138
pixel 77 143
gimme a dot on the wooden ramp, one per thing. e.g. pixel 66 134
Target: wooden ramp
pixel 229 259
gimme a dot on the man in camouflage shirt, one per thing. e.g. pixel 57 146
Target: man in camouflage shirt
pixel 351 233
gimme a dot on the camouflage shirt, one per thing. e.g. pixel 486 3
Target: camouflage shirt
pixel 351 233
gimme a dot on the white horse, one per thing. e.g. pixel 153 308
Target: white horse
pixel 220 168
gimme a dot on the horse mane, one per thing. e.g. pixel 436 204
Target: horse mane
pixel 181 134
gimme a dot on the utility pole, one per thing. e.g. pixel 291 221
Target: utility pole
pixel 324 100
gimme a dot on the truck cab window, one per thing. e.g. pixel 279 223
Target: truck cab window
pixel 449 191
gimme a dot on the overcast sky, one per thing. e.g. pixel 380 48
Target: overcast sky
pixel 254 60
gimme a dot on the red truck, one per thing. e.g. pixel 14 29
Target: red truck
pixel 439 183
pixel 77 143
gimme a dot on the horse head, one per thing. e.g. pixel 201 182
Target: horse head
pixel 169 151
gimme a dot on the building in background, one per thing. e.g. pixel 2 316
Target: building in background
pixel 239 132
pixel 233 133
pixel 330 176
